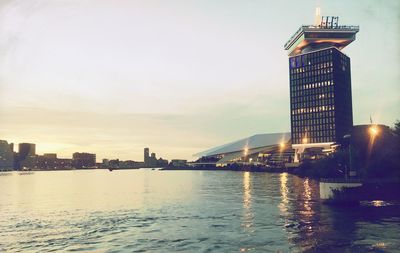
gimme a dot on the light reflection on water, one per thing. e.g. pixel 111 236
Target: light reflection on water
pixel 307 198
pixel 283 205
pixel 248 215
pixel 192 211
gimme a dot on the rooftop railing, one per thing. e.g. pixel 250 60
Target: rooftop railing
pixel 319 27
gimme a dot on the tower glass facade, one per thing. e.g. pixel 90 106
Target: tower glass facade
pixel 320 96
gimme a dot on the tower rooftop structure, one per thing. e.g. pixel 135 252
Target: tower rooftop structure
pixel 326 33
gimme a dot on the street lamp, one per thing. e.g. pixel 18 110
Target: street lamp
pixel 348 136
pixel 246 151
pixel 373 131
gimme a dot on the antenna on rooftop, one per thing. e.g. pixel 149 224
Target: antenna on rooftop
pixel 317 21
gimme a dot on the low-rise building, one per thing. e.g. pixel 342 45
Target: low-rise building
pixel 178 163
pixel 83 160
pixel 260 149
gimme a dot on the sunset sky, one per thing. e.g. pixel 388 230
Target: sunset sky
pixel 113 77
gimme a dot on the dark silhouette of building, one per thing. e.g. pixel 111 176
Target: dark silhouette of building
pixel 152 161
pixel 83 160
pixel 6 156
pixel 64 163
pixel 178 163
pixel 26 155
pixel 146 157
pixel 117 164
pixel 50 155
pixel 162 162
pixel 320 84
pixel 25 150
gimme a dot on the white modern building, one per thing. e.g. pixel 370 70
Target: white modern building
pixel 255 149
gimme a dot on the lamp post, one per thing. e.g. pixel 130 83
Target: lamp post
pixel 281 149
pixel 245 153
pixel 348 136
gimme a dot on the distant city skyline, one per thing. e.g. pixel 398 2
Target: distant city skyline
pixel 114 77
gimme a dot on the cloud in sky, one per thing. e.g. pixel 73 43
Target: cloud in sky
pixel 112 77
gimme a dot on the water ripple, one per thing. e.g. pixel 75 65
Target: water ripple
pixel 194 212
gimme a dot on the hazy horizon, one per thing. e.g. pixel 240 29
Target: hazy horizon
pixel 180 77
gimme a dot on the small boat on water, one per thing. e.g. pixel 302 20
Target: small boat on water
pixel 25 171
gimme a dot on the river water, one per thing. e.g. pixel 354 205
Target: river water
pixel 186 211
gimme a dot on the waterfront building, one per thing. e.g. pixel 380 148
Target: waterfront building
pixel 50 155
pixel 26 155
pixel 25 150
pixel 30 162
pixel 320 85
pixel 162 162
pixel 6 156
pixel 178 163
pixel 146 157
pixel 83 160
pixel 113 164
pixel 105 164
pixel 118 164
pixel 256 149
pixel 64 163
pixel 47 161
pixel 151 161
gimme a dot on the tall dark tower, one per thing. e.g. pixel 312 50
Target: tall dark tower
pixel 320 84
pixel 146 157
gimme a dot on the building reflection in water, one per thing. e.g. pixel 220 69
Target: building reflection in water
pixel 283 206
pixel 298 209
pixel 248 215
pixel 308 211
pixel 314 227
pixel 307 198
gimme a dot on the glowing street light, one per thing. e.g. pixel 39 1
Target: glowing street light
pixel 245 151
pixel 373 131
pixel 282 145
pixel 305 140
